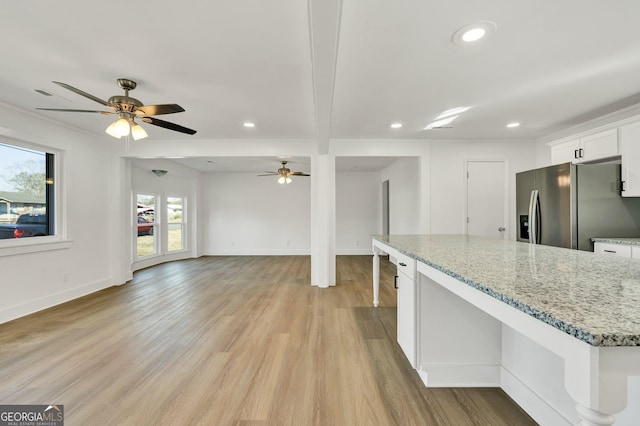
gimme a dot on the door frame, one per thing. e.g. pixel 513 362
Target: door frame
pixel 505 202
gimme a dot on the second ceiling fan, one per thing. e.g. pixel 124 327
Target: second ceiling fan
pixel 284 174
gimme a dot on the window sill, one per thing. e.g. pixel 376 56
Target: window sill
pixel 14 247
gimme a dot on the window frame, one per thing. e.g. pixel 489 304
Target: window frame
pixel 185 241
pixel 56 215
pixel 156 238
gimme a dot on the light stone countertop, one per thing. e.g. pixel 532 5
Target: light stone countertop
pixel 622 241
pixel 592 297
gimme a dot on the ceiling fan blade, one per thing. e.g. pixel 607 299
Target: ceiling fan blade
pixel 270 174
pixel 299 174
pixel 167 125
pixel 85 94
pixel 159 109
pixel 76 110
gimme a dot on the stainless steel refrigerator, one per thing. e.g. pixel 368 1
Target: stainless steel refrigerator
pixel 566 205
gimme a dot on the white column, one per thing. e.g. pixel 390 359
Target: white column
pixel 323 213
pixel 120 202
pixel 590 417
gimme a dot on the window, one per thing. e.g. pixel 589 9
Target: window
pixel 175 223
pixel 146 223
pixel 26 192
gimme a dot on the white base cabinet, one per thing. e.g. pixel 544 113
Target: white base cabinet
pixel 622 250
pixel 614 249
pixel 406 307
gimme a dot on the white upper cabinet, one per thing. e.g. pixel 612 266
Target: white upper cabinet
pixel 594 147
pixel 565 152
pixel 599 146
pixel 630 149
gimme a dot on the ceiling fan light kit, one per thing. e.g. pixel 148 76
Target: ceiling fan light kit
pixel 137 131
pixel 127 109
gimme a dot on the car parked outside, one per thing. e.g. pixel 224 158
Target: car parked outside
pixel 145 227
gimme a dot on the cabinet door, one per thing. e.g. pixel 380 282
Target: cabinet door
pixel 600 145
pixel 630 150
pixel 407 317
pixel 565 152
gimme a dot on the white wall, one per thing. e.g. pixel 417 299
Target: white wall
pixel 38 280
pixel 358 211
pixel 251 215
pixel 448 179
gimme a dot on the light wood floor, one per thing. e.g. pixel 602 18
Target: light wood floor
pixel 233 341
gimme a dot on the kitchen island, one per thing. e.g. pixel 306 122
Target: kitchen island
pixel 480 309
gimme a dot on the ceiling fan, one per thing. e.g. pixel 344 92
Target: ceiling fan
pixel 127 109
pixel 285 174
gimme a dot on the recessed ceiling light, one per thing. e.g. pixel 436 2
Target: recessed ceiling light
pixel 395 125
pixel 473 32
pixel 441 123
pixel 249 124
pixel 452 111
pixel 512 125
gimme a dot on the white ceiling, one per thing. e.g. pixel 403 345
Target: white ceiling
pixel 326 69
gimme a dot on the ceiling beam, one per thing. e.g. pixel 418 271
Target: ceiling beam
pixel 324 28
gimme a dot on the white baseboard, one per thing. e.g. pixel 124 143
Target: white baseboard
pixel 354 252
pixel 451 375
pixel 32 306
pixel 253 252
pixel 534 405
pixel 158 259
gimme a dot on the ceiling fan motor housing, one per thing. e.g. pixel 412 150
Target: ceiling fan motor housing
pixel 125 103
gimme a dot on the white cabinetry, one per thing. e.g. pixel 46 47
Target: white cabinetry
pixel 407 307
pixel 630 148
pixel 599 146
pixel 614 249
pixel 593 147
pixel 565 152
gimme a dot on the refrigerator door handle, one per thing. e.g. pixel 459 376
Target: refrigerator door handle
pixel 533 217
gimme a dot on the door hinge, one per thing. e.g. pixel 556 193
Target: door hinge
pixel 467 219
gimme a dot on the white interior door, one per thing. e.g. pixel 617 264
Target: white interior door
pixel 486 198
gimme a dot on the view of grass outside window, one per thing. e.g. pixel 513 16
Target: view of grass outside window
pixel 175 223
pixel 146 241
pixel 26 192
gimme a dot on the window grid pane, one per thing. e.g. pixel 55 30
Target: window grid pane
pixel 175 223
pixel 146 241
pixel 26 192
